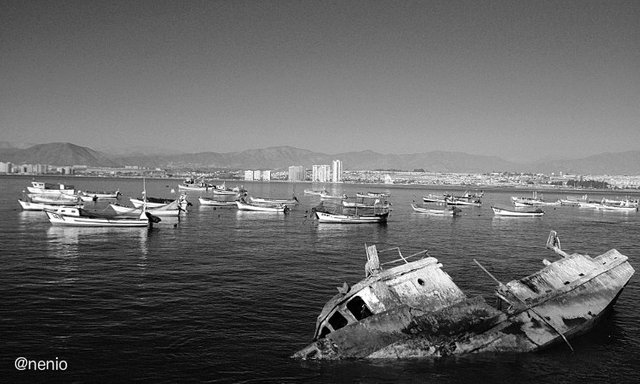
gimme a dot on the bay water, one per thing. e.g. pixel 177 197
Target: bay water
pixel 224 296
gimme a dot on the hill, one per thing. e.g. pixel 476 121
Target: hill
pixel 60 154
pixel 623 163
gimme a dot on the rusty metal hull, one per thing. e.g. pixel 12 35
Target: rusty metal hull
pixel 561 301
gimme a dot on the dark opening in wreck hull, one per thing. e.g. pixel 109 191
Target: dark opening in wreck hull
pixel 563 300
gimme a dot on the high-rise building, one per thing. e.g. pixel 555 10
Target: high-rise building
pixel 296 173
pixel 336 171
pixel 321 173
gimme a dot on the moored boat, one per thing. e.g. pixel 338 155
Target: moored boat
pixel 216 203
pixel 31 206
pixel 87 196
pixel 244 205
pixel 40 187
pixel 444 211
pixel 78 217
pixel 411 308
pixel 526 212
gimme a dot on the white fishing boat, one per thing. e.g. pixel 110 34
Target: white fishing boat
pixel 54 199
pixel 216 203
pixel 444 211
pixel 377 203
pixel 503 211
pixel 315 192
pixel 78 217
pixel 433 198
pixel 263 200
pixel 31 206
pixel 372 218
pixel 87 196
pixel 155 202
pixel 190 184
pixel 39 187
pixel 373 195
pixel 243 205
pixel 327 196
pixel 171 209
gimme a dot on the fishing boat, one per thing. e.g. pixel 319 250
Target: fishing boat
pixel 87 196
pixel 373 218
pixel 534 201
pixel 292 201
pixel 244 205
pixel 40 187
pixel 171 209
pixel 366 204
pixel 433 198
pixel 78 217
pixel 526 212
pixel 444 211
pixel 156 202
pixel 315 192
pixel 223 190
pixel 216 203
pixel 373 195
pixel 190 184
pixel 410 308
pixel 54 199
pixel 31 206
pixel 327 196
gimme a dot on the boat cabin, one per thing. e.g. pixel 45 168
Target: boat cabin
pixel 418 284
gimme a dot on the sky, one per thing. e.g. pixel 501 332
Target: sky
pixel 521 80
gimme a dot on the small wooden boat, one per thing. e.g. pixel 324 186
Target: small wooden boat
pixel 87 196
pixel 216 203
pixel 192 185
pixel 433 198
pixel 39 187
pixel 266 207
pixel 503 211
pixel 411 308
pixel 171 209
pixel 328 196
pixel 373 218
pixel 31 206
pixel 445 211
pixel 78 217
pixel 373 195
pixel 54 199
pixel 263 200
pixel 155 202
pixel 316 192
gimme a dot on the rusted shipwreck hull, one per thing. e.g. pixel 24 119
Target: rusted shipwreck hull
pixel 416 310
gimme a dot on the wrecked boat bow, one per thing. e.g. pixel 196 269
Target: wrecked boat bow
pixel 414 309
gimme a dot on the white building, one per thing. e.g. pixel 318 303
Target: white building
pixel 296 173
pixel 321 173
pixel 336 171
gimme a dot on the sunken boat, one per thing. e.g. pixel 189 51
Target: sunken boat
pixel 411 308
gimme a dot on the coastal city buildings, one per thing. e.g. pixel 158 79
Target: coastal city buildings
pixel 329 173
pixel 321 173
pixel 296 173
pixel 336 171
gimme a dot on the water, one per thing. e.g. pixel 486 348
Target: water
pixel 226 297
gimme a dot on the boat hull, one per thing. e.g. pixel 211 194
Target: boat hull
pixel 325 217
pixel 79 221
pixel 514 213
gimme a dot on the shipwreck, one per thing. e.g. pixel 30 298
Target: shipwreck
pixel 411 308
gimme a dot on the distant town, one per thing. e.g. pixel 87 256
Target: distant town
pixel 335 173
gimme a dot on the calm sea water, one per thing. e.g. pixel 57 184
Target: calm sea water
pixel 226 297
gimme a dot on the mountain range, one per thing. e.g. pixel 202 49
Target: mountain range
pixel 67 154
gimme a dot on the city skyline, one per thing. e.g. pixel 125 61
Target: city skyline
pixel 521 81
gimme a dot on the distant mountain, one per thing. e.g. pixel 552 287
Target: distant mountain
pixel 61 154
pixel 624 163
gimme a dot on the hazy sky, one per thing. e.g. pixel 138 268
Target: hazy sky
pixel 516 79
